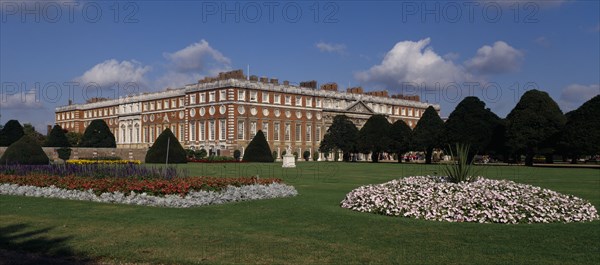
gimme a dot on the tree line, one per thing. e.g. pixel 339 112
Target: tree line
pixel 97 134
pixel 536 126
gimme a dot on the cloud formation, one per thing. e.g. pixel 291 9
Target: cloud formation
pixel 572 96
pixel 192 63
pixel 330 47
pixel 414 62
pixel 21 100
pixel 197 57
pixel 496 59
pixel 111 72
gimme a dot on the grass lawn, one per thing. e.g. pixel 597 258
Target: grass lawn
pixel 308 229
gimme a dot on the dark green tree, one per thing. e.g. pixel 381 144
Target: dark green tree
pixel 201 154
pixel 427 134
pixel 401 137
pixel 74 138
pixel 97 134
pixel 237 154
pixel 533 124
pixel 471 123
pixel 306 155
pixel 158 151
pixel 258 149
pixel 374 137
pixel 581 134
pixel 29 129
pixel 57 138
pixel 25 151
pixel 342 135
pixel 11 132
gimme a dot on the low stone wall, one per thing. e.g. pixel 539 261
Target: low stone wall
pixel 84 152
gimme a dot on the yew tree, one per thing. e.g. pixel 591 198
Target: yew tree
pixel 535 123
pixel 427 134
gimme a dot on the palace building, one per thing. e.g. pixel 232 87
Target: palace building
pixel 223 113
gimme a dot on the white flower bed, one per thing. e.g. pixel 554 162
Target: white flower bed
pixel 483 201
pixel 194 198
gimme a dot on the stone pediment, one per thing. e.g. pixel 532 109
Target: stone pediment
pixel 360 107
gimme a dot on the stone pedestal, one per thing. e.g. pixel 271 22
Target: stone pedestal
pixel 289 161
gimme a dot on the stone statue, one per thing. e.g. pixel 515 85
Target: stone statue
pixel 289 161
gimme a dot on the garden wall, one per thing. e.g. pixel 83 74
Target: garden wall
pixel 80 152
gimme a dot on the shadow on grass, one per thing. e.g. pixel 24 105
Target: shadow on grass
pixel 21 245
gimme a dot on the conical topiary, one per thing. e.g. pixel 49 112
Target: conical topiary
pixel 258 150
pixel 11 132
pixel 57 138
pixel 25 151
pixel 158 152
pixel 97 134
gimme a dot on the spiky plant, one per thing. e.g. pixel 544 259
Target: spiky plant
pixel 461 170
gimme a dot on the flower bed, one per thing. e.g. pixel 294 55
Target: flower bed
pixel 178 185
pixel 104 162
pixel 482 201
pixel 194 198
pixel 93 171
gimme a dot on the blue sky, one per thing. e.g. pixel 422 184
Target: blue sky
pixel 442 51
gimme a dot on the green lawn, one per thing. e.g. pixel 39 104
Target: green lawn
pixel 309 228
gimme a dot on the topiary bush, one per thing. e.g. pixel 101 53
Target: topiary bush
pixel 25 151
pixel 64 153
pixel 200 154
pixel 295 155
pixel 11 132
pixel 158 152
pixel 315 156
pixel 258 150
pixel 97 134
pixel 306 155
pixel 57 138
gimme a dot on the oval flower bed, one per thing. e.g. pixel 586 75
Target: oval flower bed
pixel 482 201
pixel 175 192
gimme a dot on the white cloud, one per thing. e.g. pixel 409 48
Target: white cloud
pixel 330 47
pixel 451 56
pixel 21 100
pixel 414 62
pixel 111 72
pixel 188 65
pixel 173 79
pixel 574 95
pixel 197 57
pixel 496 59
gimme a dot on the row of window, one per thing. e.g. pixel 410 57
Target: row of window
pixel 67 125
pixel 100 112
pixel 65 116
pixel 163 104
pixel 253 96
pixel 277 128
pixel 217 129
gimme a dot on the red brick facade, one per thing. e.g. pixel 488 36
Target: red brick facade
pixel 222 114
